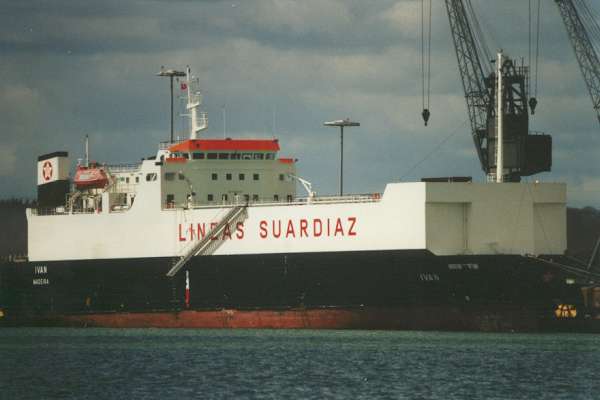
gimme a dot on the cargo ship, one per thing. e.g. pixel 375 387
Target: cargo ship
pixel 211 233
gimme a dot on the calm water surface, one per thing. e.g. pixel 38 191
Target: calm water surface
pixel 228 364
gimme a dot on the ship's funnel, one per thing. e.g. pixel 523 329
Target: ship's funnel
pixel 53 179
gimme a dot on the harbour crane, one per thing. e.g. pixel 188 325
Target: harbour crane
pixel 580 24
pixel 524 154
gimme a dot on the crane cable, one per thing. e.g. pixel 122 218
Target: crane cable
pixel 425 62
pixel 479 36
pixel 589 17
pixel 533 96
pixel 537 45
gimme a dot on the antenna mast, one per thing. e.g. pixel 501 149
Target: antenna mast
pixel 198 120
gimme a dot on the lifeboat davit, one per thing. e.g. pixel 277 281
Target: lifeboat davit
pixel 91 177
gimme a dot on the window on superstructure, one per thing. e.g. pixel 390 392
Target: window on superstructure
pixel 186 155
pixel 289 198
pixel 255 177
pixel 281 177
pixel 198 156
pixel 151 177
pixel 224 197
pixel 246 156
pixel 211 156
pixel 209 197
pixel 259 156
pixel 276 197
pixel 270 156
pixel 242 177
pixel 127 180
pixel 235 156
pixel 180 176
pixel 246 197
pixel 137 179
pixel 223 156
pixel 228 177
pixel 169 176
pixel 254 197
pixel 214 177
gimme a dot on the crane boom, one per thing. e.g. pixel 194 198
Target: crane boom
pixel 584 49
pixel 477 94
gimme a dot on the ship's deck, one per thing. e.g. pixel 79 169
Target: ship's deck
pixel 300 201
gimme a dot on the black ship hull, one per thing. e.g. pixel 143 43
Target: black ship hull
pixel 361 290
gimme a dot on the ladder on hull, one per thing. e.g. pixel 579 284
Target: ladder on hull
pixel 207 245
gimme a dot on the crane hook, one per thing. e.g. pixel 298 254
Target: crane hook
pixel 425 114
pixel 532 104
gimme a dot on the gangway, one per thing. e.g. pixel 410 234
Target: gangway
pixel 207 245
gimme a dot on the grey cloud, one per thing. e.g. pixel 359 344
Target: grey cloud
pixel 89 68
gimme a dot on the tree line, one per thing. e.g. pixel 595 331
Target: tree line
pixel 13 226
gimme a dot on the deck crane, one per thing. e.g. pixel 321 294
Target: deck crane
pixel 576 15
pixel 524 154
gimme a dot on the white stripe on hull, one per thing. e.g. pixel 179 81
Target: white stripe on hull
pixel 445 218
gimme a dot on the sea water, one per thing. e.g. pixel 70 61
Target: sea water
pixel 39 363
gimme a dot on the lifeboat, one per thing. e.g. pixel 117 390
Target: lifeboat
pixel 91 177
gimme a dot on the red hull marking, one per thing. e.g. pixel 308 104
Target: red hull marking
pixel 426 318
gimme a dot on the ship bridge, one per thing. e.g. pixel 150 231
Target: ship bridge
pixel 225 171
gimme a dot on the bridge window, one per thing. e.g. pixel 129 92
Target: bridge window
pixel 228 177
pixel 151 177
pixel 211 156
pixel 246 156
pixel 214 177
pixel 198 156
pixel 270 156
pixel 242 177
pixel 255 177
pixel 259 156
pixel 170 200
pixel 223 156
pixel 235 156
pixel 169 176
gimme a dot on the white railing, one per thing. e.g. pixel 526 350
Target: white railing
pixel 60 211
pixel 166 145
pixel 124 167
pixel 202 120
pixel 299 201
pixel 123 188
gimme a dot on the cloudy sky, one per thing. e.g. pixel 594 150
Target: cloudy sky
pixel 280 68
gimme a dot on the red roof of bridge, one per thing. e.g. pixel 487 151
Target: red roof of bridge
pixel 226 144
